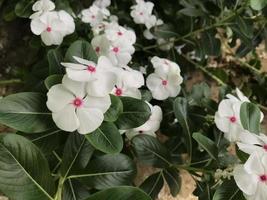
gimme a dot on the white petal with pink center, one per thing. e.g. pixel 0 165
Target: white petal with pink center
pixel 251 177
pixel 150 127
pixel 42 6
pixel 74 109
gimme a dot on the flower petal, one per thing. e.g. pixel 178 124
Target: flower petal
pixel 100 103
pixel 79 75
pixel 77 88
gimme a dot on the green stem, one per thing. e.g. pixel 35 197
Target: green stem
pixel 11 81
pixel 188 168
pixel 59 189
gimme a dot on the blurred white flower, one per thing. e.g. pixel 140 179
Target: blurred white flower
pixel 129 81
pixel 150 127
pixel 166 80
pixel 251 177
pixel 53 26
pixel 250 143
pixel 74 109
pixel 115 32
pixel 42 6
pixel 227 118
pixel 102 3
pixel 101 45
pixel 100 75
pixel 94 15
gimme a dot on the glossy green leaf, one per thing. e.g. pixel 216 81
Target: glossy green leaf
pixel 135 113
pixel 74 190
pixel 153 185
pixel 53 80
pixel 207 144
pixel 108 171
pixel 26 112
pixel 76 155
pixel 121 193
pixel 24 8
pixel 173 179
pixel 250 117
pixel 106 138
pixel 150 151
pixel 228 190
pixel 180 107
pixel 115 109
pixel 82 49
pixel 24 171
pixel 54 57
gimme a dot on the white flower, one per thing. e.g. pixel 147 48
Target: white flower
pixel 250 143
pixel 251 177
pixel 74 109
pixel 42 6
pixel 227 118
pixel 102 3
pixel 94 15
pixel 101 45
pixel 166 80
pixel 129 81
pixel 151 126
pixel 100 75
pixel 142 12
pixel 53 26
pixel 115 32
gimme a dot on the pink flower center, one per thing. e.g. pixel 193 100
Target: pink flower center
pixel 265 147
pixel 232 119
pixel 118 92
pixel 141 13
pixel 164 82
pixel 115 49
pixel 93 17
pixel 91 68
pixel 48 29
pixel 77 102
pixel 263 178
pixel 119 33
pixel 97 49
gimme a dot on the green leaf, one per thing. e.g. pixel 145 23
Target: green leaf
pixel 76 155
pixel 74 190
pixel 173 179
pixel 24 171
pixel 24 8
pixel 135 113
pixel 165 31
pixel 181 113
pixel 153 185
pixel 250 116
pixel 54 57
pixel 207 144
pixel 258 4
pixel 210 44
pixel 81 49
pixel 108 171
pixel 106 138
pixel 115 109
pixel 26 112
pixel 121 193
pixel 53 80
pixel 228 191
pixel 150 151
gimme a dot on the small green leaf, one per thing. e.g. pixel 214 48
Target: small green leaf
pixel 115 109
pixel 258 4
pixel 106 138
pixel 173 179
pixel 53 80
pixel 54 57
pixel 150 151
pixel 250 116
pixel 228 190
pixel 135 113
pixel 121 193
pixel 24 8
pixel 81 49
pixel 207 144
pixel 108 171
pixel 153 185
pixel 24 171
pixel 180 110
pixel 26 112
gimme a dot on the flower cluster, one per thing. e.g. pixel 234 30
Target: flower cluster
pixel 52 25
pixel 251 177
pixel 142 14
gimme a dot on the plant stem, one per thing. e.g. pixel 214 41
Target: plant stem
pixel 223 22
pixel 188 168
pixel 59 189
pixel 11 81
